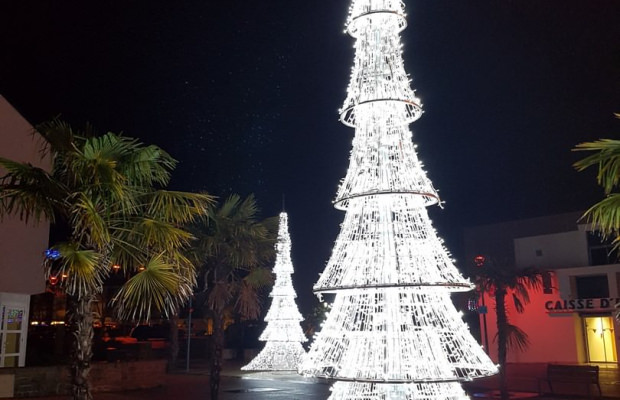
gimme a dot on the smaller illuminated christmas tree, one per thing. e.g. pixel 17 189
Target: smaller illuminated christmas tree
pixel 283 334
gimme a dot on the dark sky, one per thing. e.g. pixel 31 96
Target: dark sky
pixel 245 95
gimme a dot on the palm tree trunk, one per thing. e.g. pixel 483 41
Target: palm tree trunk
pixel 174 342
pixel 502 323
pixel 81 319
pixel 240 338
pixel 216 356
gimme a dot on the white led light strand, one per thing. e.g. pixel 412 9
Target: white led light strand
pixel 283 334
pixel 392 331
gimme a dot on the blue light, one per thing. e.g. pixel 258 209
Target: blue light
pixel 52 254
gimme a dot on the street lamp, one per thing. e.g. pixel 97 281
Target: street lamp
pixel 479 260
pixel 190 310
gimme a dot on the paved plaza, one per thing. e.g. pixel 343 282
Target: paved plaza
pixel 276 386
pixel 243 385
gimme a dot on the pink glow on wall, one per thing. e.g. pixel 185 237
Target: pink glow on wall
pixel 553 336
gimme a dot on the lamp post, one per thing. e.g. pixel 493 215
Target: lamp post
pixel 189 334
pixel 479 261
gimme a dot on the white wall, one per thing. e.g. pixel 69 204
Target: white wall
pixel 554 251
pixel 21 245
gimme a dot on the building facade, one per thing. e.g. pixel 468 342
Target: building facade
pixel 21 245
pixel 572 318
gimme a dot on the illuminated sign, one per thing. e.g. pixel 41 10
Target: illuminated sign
pixel 570 305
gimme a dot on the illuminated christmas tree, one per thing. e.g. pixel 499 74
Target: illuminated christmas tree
pixel 283 334
pixel 392 332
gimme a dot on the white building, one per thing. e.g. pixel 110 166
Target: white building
pixel 21 245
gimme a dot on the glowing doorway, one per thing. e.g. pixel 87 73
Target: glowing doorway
pixel 12 336
pixel 600 339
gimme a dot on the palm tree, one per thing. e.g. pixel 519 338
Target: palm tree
pixel 500 281
pixel 313 320
pixel 604 215
pixel 235 250
pixel 108 190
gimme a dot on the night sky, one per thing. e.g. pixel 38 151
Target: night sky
pixel 245 95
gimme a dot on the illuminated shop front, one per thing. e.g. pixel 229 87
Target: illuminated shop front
pixel 572 321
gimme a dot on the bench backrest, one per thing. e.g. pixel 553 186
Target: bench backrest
pixel 577 373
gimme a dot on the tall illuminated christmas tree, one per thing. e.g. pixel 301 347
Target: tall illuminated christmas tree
pixel 392 332
pixel 283 334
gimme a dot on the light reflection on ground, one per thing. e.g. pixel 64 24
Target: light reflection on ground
pixel 252 390
pixel 495 394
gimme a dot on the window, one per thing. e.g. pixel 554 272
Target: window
pixel 592 287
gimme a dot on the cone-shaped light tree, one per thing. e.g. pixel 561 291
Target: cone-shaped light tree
pixel 392 331
pixel 283 334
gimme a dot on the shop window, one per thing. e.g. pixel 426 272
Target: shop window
pixel 592 287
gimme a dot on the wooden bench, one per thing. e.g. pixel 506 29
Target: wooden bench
pixel 581 374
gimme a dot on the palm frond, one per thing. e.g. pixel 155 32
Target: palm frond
pixel 155 233
pixel 247 210
pixel 271 224
pixel 227 208
pixel 258 278
pixel 516 338
pixel 248 304
pixel 220 295
pixel 606 157
pixel 109 147
pixel 87 221
pixel 80 269
pixel 29 192
pixel 531 280
pixel 522 290
pixel 518 303
pixel 148 165
pixel 59 137
pixel 605 215
pixel 179 207
pixel 157 288
pixel 526 280
pixel 97 163
pixel 184 265
pixel 126 251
